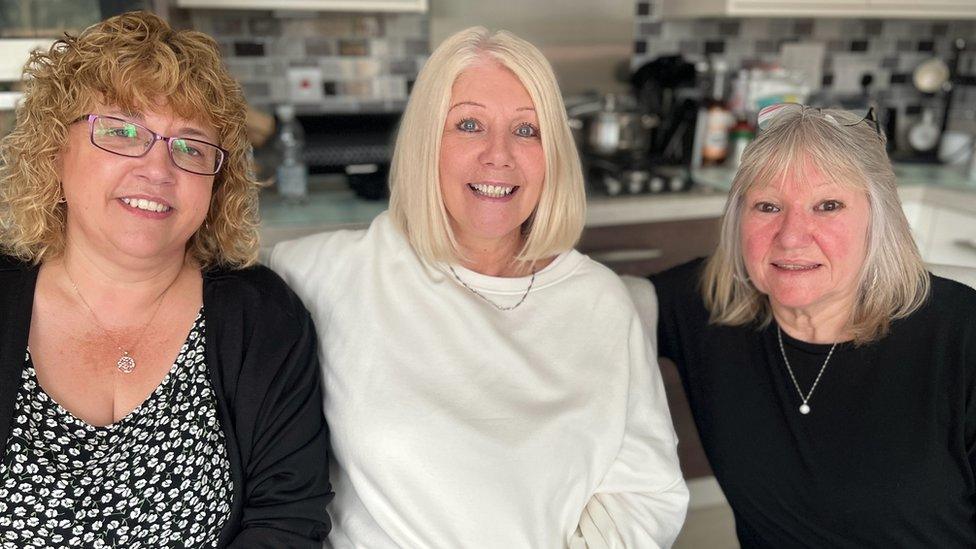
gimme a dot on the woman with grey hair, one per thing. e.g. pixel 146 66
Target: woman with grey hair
pixel 832 379
pixel 488 386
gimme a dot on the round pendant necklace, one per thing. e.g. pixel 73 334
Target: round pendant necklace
pixel 126 362
pixel 493 304
pixel 804 407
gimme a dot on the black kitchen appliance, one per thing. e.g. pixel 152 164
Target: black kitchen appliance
pixel 359 145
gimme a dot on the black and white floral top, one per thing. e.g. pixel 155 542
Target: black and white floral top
pixel 159 477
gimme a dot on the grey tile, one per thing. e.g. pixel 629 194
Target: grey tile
pixel 319 46
pixel 255 90
pixel 379 47
pixel 705 28
pixel 767 46
pixel 335 24
pixel 415 47
pixel 852 27
pixel 301 63
pixel 249 48
pixel 265 26
pixel 646 29
pixel 356 88
pixel 228 24
pixel 835 46
pixel 890 62
pixel 289 46
pixel 269 69
pixel 368 26
pixel 730 28
pixel 827 28
pixel 241 69
pixel 691 46
pixel 803 27
pixel 904 46
pixel 873 27
pixel 353 47
pixel 402 67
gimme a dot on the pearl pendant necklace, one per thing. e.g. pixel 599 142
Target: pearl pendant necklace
pixel 804 407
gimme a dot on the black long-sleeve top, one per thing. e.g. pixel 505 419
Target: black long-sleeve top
pixel 886 456
pixel 261 355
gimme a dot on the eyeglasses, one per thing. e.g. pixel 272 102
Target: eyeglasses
pixel 847 118
pixel 125 138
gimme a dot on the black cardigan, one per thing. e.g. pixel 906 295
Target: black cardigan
pixel 261 353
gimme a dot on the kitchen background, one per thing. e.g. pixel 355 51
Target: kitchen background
pixel 685 78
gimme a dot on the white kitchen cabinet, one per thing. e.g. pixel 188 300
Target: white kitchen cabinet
pixel 930 9
pixel 925 8
pixel 311 5
pixel 952 239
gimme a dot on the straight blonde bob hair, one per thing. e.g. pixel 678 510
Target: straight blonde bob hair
pixel 416 204
pixel 846 150
pixel 131 61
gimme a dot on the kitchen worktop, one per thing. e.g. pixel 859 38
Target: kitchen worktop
pixel 332 207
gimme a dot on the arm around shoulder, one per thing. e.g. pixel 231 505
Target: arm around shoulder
pixel 275 399
pixel 642 500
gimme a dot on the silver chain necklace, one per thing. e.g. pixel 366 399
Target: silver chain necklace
pixel 493 304
pixel 804 407
pixel 126 363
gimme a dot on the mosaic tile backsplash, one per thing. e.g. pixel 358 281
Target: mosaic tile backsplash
pixel 366 62
pixel 322 62
pixel 889 49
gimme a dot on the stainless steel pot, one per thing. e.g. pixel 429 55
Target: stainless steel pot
pixel 613 129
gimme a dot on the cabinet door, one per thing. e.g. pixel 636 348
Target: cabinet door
pixel 928 8
pixel 645 248
pixel 953 238
pixel 920 217
pixel 820 8
pixel 314 5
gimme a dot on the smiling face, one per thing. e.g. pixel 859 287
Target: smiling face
pixel 492 165
pixel 804 242
pixel 126 208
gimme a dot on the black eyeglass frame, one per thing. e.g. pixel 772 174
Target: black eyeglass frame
pixel 91 117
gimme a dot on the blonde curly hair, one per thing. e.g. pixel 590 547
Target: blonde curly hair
pixel 130 61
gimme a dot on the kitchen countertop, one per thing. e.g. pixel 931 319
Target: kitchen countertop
pixel 332 207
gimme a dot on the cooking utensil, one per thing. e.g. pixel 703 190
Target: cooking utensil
pixel 615 130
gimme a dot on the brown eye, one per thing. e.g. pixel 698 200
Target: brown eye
pixel 830 206
pixel 766 207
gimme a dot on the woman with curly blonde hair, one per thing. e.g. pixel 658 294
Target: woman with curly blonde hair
pixel 129 238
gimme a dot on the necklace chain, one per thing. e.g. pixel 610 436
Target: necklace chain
pixel 126 362
pixel 804 407
pixel 493 304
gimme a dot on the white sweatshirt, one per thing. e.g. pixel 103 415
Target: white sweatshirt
pixel 457 425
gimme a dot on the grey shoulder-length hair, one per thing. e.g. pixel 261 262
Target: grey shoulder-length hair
pixel 416 205
pixel 893 281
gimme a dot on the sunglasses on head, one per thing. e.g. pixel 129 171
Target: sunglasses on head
pixel 851 118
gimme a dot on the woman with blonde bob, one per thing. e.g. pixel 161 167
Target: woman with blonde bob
pixel 129 238
pixel 830 375
pixel 488 385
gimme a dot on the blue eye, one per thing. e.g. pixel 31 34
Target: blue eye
pixel 468 125
pixel 526 130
